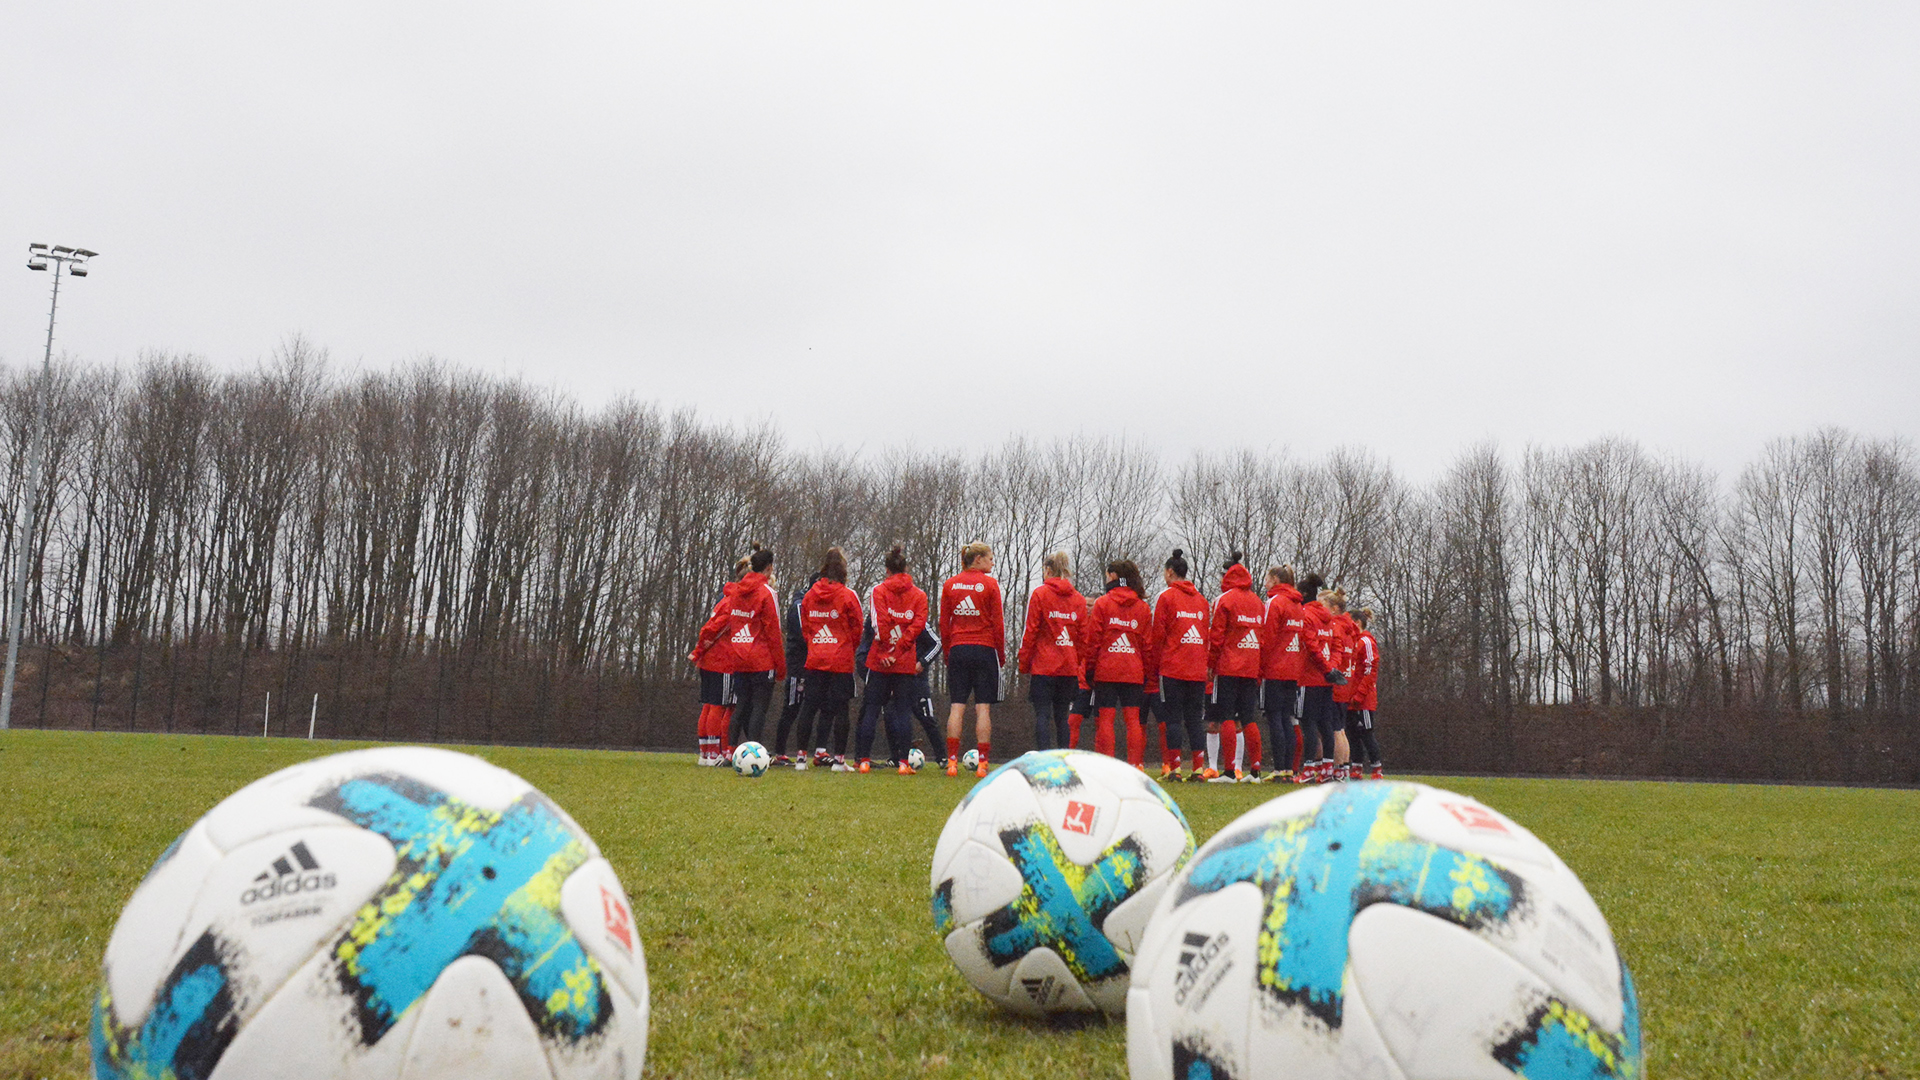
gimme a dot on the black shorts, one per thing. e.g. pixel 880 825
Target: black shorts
pixel 832 689
pixel 1048 690
pixel 1118 695
pixel 716 688
pixel 1359 719
pixel 1083 701
pixel 973 671
pixel 1180 699
pixel 1235 697
pixel 1280 697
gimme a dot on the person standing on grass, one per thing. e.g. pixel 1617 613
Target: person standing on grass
pixel 899 610
pixel 749 620
pixel 1364 699
pixel 904 709
pixel 1281 657
pixel 1316 685
pixel 1346 638
pixel 1180 646
pixel 716 686
pixel 1233 653
pixel 829 612
pixel 1120 640
pixel 973 633
pixel 796 648
pixel 1053 652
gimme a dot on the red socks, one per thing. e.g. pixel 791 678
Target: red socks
pixel 1169 757
pixel 1252 732
pixel 1297 737
pixel 1103 732
pixel 1136 737
pixel 1199 761
pixel 953 748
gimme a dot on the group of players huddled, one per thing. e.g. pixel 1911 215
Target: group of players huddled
pixel 1207 671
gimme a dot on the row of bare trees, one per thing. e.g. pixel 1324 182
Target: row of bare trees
pixel 429 552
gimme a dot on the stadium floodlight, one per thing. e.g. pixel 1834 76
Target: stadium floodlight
pixel 74 262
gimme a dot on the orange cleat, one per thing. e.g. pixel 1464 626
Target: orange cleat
pixel 953 766
pixel 866 764
pixel 982 771
pixel 906 769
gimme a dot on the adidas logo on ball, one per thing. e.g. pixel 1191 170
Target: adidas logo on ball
pixel 1045 992
pixel 281 879
pixel 1197 954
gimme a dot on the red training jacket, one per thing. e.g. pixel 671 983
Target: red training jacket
pixel 970 613
pixel 1055 638
pixel 1180 633
pixel 745 630
pixel 899 614
pixel 1317 637
pixel 1346 640
pixel 1233 646
pixel 1366 673
pixel 1120 638
pixel 830 619
pixel 1282 655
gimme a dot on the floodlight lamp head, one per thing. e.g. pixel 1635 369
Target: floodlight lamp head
pixel 84 253
pixel 36 247
pixel 77 269
pixel 62 249
pixel 35 263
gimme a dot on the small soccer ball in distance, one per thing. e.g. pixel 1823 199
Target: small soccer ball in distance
pixel 970 760
pixel 1379 930
pixel 915 758
pixel 1045 875
pixel 751 759
pixel 393 913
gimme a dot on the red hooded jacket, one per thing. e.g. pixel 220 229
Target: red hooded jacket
pixel 1180 633
pixel 1233 646
pixel 970 613
pixel 744 630
pixel 830 619
pixel 1366 673
pixel 1317 637
pixel 1346 642
pixel 1055 638
pixel 1120 638
pixel 899 614
pixel 1282 654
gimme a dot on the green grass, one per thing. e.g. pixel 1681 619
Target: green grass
pixel 1772 931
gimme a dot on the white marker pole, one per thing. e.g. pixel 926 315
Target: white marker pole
pixel 313 716
pixel 265 713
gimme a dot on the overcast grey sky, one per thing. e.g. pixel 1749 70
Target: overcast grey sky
pixel 1406 226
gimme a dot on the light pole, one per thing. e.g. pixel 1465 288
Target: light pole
pixel 73 261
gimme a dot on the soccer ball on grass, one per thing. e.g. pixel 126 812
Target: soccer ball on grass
pixel 383 913
pixel 1379 929
pixel 751 759
pixel 1045 874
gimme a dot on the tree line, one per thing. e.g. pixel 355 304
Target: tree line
pixel 436 553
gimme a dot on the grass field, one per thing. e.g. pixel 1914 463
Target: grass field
pixel 1773 932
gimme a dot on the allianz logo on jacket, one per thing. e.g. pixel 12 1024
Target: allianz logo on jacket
pixel 980 587
pixel 830 614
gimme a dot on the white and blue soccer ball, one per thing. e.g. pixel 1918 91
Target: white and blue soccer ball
pixel 386 913
pixel 970 760
pixel 1379 929
pixel 915 758
pixel 1045 875
pixel 751 759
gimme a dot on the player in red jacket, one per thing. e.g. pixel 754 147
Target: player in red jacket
pixel 1121 659
pixel 1317 718
pixel 746 624
pixel 973 634
pixel 716 689
pixel 1346 635
pixel 1363 700
pixel 899 610
pixel 1052 651
pixel 1284 666
pixel 830 621
pixel 1180 618
pixel 1233 652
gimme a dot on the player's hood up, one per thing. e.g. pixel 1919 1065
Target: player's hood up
pixel 1236 577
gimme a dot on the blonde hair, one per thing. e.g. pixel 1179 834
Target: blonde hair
pixel 971 552
pixel 1335 598
pixel 1363 617
pixel 1057 565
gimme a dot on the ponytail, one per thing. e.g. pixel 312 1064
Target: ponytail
pixel 1056 565
pixel 760 559
pixel 1310 587
pixel 1128 573
pixel 896 561
pixel 1233 560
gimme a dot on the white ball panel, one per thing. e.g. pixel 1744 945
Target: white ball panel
pixel 1464 824
pixel 618 1054
pixel 984 881
pixel 601 916
pixel 968 953
pixel 1440 1015
pixel 472 1026
pixel 151 934
pixel 301 1033
pixel 1363 1052
pixel 1147 1039
pixel 1126 924
pixel 1042 984
pixel 1198 969
pixel 1163 837
pixel 952 835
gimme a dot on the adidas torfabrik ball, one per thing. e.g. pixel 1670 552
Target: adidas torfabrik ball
pixel 401 912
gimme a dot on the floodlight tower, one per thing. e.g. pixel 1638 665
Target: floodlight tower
pixel 74 262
